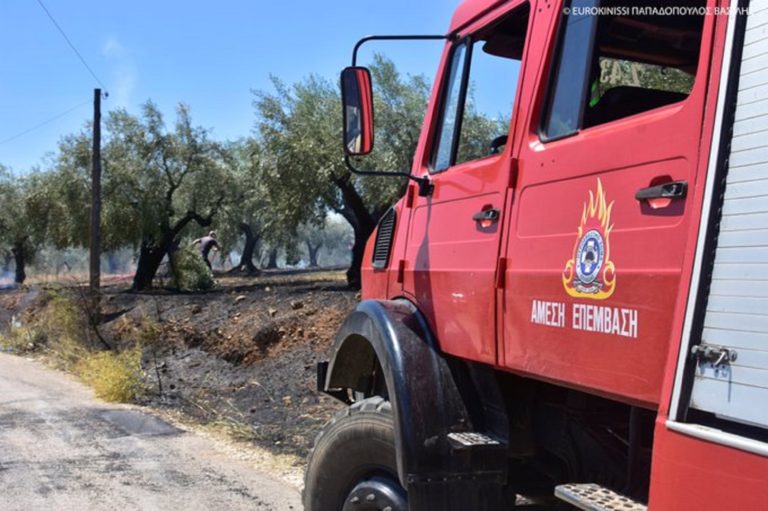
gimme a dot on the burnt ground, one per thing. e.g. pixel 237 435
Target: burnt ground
pixel 241 357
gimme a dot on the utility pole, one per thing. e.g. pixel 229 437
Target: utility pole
pixel 95 237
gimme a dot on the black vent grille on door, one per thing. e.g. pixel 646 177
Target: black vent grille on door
pixel 384 235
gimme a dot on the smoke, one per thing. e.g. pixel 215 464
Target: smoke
pixel 124 75
pixel 7 280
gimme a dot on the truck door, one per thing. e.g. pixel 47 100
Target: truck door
pixel 454 234
pixel 596 244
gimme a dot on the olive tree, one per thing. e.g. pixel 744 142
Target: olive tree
pixel 299 127
pixel 23 218
pixel 156 182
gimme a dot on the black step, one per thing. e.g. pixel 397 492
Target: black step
pixel 472 441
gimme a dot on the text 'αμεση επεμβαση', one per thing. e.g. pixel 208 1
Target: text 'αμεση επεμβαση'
pixel 603 319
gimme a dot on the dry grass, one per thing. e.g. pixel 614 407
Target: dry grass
pixel 240 440
pixel 57 327
pixel 64 327
pixel 72 278
pixel 115 377
pixel 60 328
pixel 21 339
pixel 233 440
pixel 282 278
pixel 234 429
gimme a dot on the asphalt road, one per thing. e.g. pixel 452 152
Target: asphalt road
pixel 61 449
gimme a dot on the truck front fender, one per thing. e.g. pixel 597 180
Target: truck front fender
pixel 429 392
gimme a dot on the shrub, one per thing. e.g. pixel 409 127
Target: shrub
pixel 65 329
pixel 190 273
pixel 115 377
pixel 22 338
pixel 148 332
pixel 57 325
pixel 61 325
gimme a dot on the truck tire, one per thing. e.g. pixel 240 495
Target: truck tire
pixel 353 464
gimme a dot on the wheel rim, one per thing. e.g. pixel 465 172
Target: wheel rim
pixel 376 494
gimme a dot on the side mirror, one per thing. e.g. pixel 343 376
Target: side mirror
pixel 357 97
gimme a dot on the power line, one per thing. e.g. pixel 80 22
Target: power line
pixel 48 121
pixel 53 20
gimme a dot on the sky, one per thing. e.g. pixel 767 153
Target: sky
pixel 209 55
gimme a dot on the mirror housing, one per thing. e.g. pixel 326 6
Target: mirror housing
pixel 357 99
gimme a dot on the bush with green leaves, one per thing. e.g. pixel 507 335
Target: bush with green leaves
pixel 190 273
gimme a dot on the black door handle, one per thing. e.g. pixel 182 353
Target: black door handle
pixel 487 215
pixel 671 190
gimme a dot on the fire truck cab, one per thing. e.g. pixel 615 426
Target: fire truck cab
pixel 569 304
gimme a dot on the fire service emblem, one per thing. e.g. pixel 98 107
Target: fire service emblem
pixel 590 273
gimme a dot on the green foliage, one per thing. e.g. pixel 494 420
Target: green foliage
pixel 24 216
pixel 62 317
pixel 160 181
pixel 164 184
pixel 155 177
pixel 190 273
pixel 244 199
pixel 249 209
pixel 68 185
pixel 304 174
pixel 116 377
pixel 400 104
pixel 156 181
pixel 299 138
pixel 477 132
pixel 300 134
pixel 332 239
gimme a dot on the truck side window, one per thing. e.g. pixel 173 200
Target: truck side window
pixel 566 105
pixel 479 91
pixel 451 119
pixel 616 60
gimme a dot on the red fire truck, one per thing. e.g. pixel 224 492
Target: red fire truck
pixel 573 312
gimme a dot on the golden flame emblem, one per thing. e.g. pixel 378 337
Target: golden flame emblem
pixel 590 273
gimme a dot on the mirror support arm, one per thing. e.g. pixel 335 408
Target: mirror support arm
pixel 425 185
pixel 395 38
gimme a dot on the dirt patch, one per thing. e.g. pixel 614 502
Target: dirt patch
pixel 240 358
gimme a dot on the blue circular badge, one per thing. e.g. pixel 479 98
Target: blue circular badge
pixel 589 257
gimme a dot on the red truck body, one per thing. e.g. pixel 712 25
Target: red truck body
pixel 574 278
pixel 547 194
